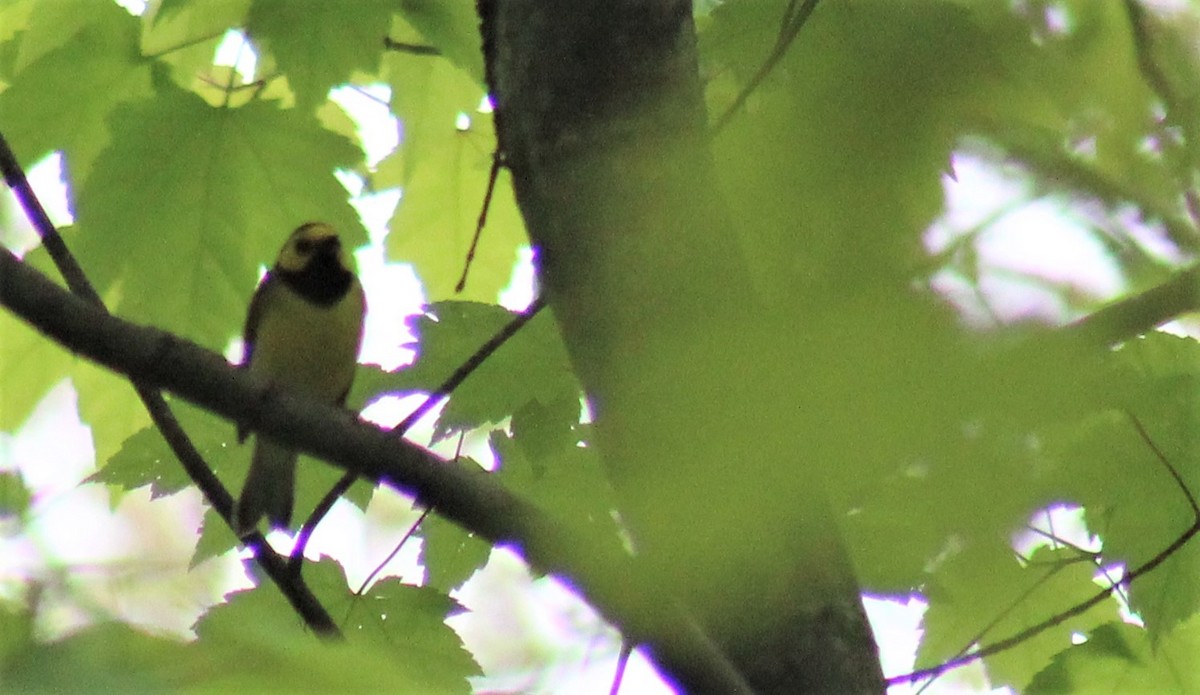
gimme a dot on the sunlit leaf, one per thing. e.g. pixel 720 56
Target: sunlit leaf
pixel 194 199
pixel 450 554
pixel 63 99
pixel 345 37
pixel 531 365
pixel 983 595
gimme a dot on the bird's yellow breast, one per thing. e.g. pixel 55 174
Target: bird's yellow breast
pixel 309 347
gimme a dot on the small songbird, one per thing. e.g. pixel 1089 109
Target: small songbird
pixel 303 331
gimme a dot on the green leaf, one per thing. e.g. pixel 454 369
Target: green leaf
pixel 892 544
pixel 186 34
pixel 62 100
pixel 109 406
pixel 984 591
pixel 30 365
pixel 449 554
pixel 530 366
pixel 319 45
pixel 1131 498
pixel 110 657
pixel 543 430
pixel 16 633
pixel 14 20
pixel 428 95
pixel 51 25
pixel 14 496
pixel 396 639
pixel 165 9
pixel 200 16
pixel 886 82
pixel 182 211
pixel 409 621
pixel 216 538
pixel 255 643
pixel 452 27
pixel 1120 658
pixel 146 459
pixel 370 382
pixel 566 481
pixel 444 172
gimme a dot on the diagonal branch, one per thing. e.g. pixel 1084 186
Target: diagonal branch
pixel 463 493
pixel 1132 316
pixel 472 363
pixel 303 601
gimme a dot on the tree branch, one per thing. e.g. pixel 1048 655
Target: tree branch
pixel 302 600
pixel 462 493
pixel 1137 314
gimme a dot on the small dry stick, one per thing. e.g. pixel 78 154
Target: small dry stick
pixel 497 161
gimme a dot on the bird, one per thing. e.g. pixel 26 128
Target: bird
pixel 303 332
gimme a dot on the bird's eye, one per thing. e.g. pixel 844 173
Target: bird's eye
pixel 304 246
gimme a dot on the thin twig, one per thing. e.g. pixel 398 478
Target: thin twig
pixel 1132 316
pixel 471 364
pixel 794 19
pixel 413 48
pixel 1004 613
pixel 497 161
pixel 296 559
pixel 622 662
pixel 1059 540
pixel 379 568
pixel 367 94
pixel 1053 621
pixel 1079 177
pixel 1162 458
pixel 188 43
pixel 229 89
pixel 233 70
pixel 411 530
pixel 296 592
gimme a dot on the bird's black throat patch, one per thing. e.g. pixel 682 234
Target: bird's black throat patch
pixel 323 281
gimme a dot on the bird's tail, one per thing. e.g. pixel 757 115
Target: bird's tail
pixel 269 488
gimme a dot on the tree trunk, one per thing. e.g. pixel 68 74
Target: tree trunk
pixel 601 120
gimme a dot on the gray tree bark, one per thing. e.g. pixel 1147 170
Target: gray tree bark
pixel 601 120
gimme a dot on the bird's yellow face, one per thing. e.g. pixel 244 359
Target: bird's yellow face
pixel 309 241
